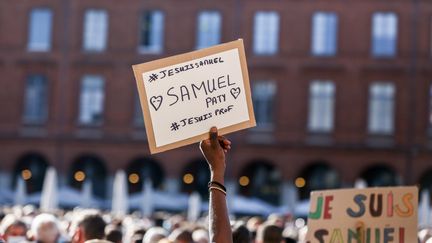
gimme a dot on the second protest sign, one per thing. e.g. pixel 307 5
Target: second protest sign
pixel 372 215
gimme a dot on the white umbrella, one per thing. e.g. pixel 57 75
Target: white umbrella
pixel 120 205
pixel 194 209
pixel 424 208
pixel 147 205
pixel 20 196
pixel 160 200
pixel 49 196
pixel 302 208
pixel 69 197
pixel 86 194
pixel 429 222
pixel 246 205
pixel 231 192
pixel 6 195
pixel 360 184
pixel 289 196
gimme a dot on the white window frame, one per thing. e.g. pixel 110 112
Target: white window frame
pixel 156 37
pixel 40 30
pixel 92 97
pixel 208 29
pixel 266 33
pixel 384 30
pixel 381 116
pixel 36 100
pixel 322 100
pixel 324 33
pixel 95 31
pixel 263 96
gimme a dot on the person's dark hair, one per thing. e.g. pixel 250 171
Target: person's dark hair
pixel 268 233
pixel 9 221
pixel 137 236
pixel 93 226
pixel 114 235
pixel 240 233
pixel 289 240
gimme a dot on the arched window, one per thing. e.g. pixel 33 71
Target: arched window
pixel 318 176
pixel 89 167
pixel 31 168
pixel 426 182
pixel 261 179
pixel 195 177
pixel 141 169
pixel 379 175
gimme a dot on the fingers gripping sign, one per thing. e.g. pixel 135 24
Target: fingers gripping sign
pixel 214 150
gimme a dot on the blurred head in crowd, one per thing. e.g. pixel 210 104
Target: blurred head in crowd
pixel 253 224
pixel 12 229
pixel 200 236
pixel 153 235
pixel 181 235
pixel 45 228
pixel 174 222
pixel 137 236
pixel 114 234
pixel 424 235
pixel 269 233
pixel 302 232
pixel 164 240
pixel 88 227
pixel 276 219
pixel 290 234
pixel 240 233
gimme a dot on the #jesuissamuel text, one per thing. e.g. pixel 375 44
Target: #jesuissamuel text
pixel 172 71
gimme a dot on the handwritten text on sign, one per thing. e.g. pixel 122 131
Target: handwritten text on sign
pixel 375 215
pixel 205 91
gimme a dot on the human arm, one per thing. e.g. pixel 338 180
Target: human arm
pixel 214 150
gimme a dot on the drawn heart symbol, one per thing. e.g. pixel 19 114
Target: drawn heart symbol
pixel 235 92
pixel 156 102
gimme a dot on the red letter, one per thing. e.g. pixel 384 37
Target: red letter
pixel 327 208
pixel 401 235
pixel 390 204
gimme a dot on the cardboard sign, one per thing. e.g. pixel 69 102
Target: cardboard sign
pixel 183 96
pixel 373 215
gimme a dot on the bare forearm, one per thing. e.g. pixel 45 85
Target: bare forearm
pixel 220 228
pixel 214 150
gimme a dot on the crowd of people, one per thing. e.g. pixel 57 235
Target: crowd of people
pixel 27 224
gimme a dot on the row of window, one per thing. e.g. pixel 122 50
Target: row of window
pixel 258 178
pixel 265 36
pixel 321 104
pixel 91 101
